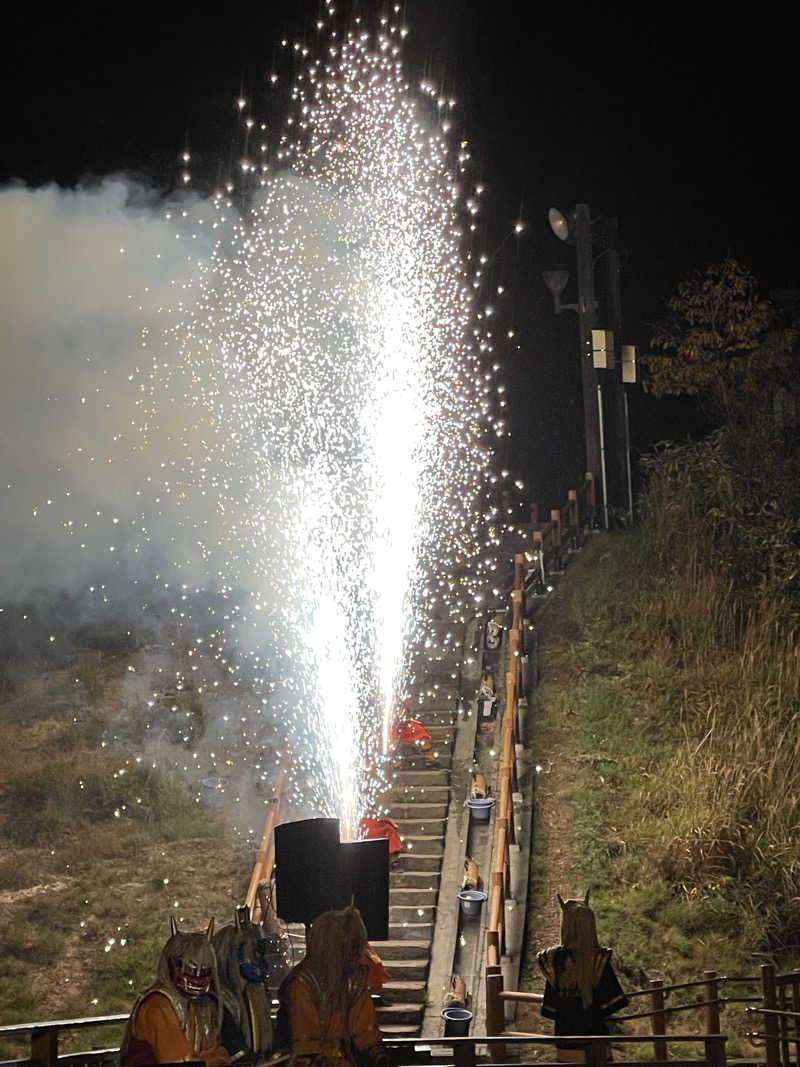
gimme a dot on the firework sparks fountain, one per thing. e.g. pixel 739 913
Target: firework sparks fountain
pixel 334 376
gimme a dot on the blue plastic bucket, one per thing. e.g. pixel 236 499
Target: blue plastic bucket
pixel 480 808
pixel 471 900
pixel 456 1022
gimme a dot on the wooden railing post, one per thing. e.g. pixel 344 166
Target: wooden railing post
pixel 464 1053
pixel 715 1050
pixel 596 1053
pixel 712 1008
pixel 795 1006
pixel 44 1048
pixel 572 504
pixel 555 519
pixel 659 1021
pixel 516 617
pixel 534 515
pixel 513 659
pixel 770 1021
pixel 519 570
pixel 591 497
pixel 495 1014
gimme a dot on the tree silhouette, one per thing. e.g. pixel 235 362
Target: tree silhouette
pixel 721 342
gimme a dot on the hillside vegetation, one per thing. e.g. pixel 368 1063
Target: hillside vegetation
pixel 99 845
pixel 676 703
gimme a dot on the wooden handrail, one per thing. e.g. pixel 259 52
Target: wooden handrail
pixel 265 855
pixel 21 1029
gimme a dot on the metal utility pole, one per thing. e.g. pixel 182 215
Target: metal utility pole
pixel 587 321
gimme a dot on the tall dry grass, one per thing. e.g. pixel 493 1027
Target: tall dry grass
pixel 717 604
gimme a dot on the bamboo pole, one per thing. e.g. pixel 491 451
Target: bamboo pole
pixel 265 855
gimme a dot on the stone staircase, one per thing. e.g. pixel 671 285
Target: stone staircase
pixel 417 799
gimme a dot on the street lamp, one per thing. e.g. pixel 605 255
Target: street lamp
pixel 576 229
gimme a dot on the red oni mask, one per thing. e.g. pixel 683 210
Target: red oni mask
pixel 192 980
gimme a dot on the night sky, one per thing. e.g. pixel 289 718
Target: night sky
pixel 677 120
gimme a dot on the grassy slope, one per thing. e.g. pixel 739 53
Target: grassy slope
pixel 668 718
pixel 94 861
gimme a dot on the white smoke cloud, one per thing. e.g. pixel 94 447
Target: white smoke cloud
pixel 85 271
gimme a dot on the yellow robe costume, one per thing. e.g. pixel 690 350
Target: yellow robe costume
pixel 354 1024
pixel 155 1023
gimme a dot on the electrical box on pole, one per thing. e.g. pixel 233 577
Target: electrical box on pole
pixel 629 355
pixel 603 349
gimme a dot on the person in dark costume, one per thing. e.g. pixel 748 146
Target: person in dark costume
pixel 241 961
pixel 581 989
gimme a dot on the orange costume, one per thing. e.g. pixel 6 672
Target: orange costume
pixel 178 1017
pixel 377 975
pixel 326 1013
pixel 370 828
pixel 157 1026
pixel 411 732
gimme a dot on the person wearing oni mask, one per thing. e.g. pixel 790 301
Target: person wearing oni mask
pixel 326 1016
pixel 178 1016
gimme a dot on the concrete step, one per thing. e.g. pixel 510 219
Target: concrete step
pixel 401 951
pixel 400 879
pixel 417 794
pixel 427 844
pixel 436 700
pixel 413 897
pixel 400 1029
pixel 444 709
pixel 441 734
pixel 414 761
pixel 407 970
pixel 408 931
pixel 400 914
pixel 403 992
pixel 399 1013
pixel 413 827
pixel 418 861
pixel 419 809
pixel 429 776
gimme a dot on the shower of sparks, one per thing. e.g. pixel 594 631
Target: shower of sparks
pixel 330 412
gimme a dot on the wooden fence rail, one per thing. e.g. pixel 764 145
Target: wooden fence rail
pixel 403 1052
